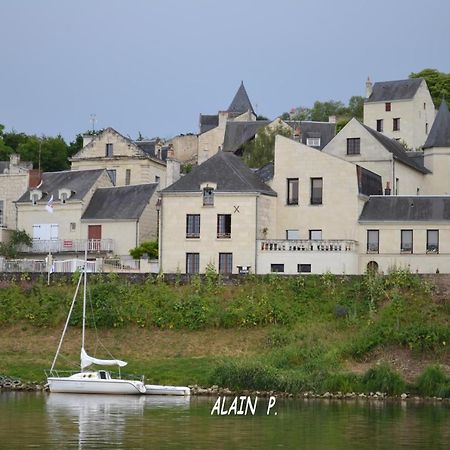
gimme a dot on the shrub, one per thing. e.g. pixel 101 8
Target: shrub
pixel 383 379
pixel 433 381
pixel 149 248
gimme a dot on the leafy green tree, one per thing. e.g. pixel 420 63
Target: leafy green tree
pixel 356 107
pixel 11 248
pixel 260 150
pixel 321 111
pixel 438 84
pixel 5 150
pixel 76 145
pixel 149 248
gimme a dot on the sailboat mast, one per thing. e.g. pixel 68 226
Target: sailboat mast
pixel 84 298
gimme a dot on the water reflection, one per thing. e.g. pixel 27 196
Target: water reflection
pixel 98 421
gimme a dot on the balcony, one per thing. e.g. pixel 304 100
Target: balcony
pixel 70 245
pixel 305 245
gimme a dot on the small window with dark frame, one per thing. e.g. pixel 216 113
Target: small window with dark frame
pixel 292 235
pixel 380 125
pixel 208 196
pixel 304 268
pixel 225 263
pixel 353 146
pixel 426 128
pixel 192 226
pixel 277 268
pixel 387 106
pixel 396 124
pixel 192 262
pixel 315 235
pixel 109 150
pixel 406 244
pixel 292 191
pixel 127 177
pixel 224 226
pixel 316 191
pixel 373 241
pixel 432 241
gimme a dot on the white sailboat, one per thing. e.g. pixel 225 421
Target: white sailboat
pixel 89 381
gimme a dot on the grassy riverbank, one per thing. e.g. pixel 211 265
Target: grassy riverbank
pixel 319 333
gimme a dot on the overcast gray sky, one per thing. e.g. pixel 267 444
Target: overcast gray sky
pixel 153 65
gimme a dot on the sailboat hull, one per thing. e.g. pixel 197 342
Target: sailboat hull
pixel 95 386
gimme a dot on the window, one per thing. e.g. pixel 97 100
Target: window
pixel 316 191
pixel 387 106
pixel 73 226
pixel 353 146
pixel 34 198
pixel 192 226
pixel 2 214
pixel 304 268
pixel 279 268
pixel 192 262
pixel 380 125
pixel 225 262
pixel 432 241
pixel 113 175
pixel 127 176
pixel 315 235
pixel 208 196
pixel 397 186
pixel 426 128
pixel 313 142
pixel 373 241
pixel 109 150
pixel 424 105
pixel 292 234
pixel 224 225
pixel 396 124
pixel 157 179
pixel 63 196
pixel 406 245
pixel 292 191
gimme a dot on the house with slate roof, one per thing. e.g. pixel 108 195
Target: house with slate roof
pixel 402 172
pixel 213 128
pixel 400 109
pixel 127 215
pixel 128 162
pixel 214 216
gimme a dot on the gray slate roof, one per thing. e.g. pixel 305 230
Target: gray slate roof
pixel 227 171
pixel 385 91
pixel 406 209
pixel 119 203
pixel 439 135
pixel 266 172
pixel 147 146
pixel 78 181
pixel 397 149
pixel 238 133
pixel 310 129
pixel 241 103
pixel 208 122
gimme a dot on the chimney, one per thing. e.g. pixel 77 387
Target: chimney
pixel 14 161
pixel 87 139
pixel 34 178
pixel 297 134
pixel 172 168
pixel 387 189
pixel 332 119
pixel 368 87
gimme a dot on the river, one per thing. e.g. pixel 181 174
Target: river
pixel 59 421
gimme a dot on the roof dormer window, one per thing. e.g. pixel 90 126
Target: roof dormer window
pixel 208 196
pixel 35 196
pixel 64 195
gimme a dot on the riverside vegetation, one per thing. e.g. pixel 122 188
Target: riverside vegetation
pixel 289 334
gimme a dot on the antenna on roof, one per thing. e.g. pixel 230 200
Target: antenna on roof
pixel 93 119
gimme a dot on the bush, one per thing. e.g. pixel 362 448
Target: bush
pixel 149 248
pixel 433 382
pixel 383 379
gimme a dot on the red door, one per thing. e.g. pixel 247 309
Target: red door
pixel 95 236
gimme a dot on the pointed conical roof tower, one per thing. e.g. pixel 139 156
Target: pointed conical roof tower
pixel 440 131
pixel 241 103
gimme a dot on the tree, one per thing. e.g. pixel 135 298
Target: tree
pixel 149 248
pixel 259 151
pixel 321 111
pixel 11 248
pixel 356 107
pixel 438 84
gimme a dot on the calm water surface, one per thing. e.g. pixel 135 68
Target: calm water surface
pixel 58 421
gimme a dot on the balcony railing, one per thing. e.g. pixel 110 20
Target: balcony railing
pixel 69 245
pixel 322 245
